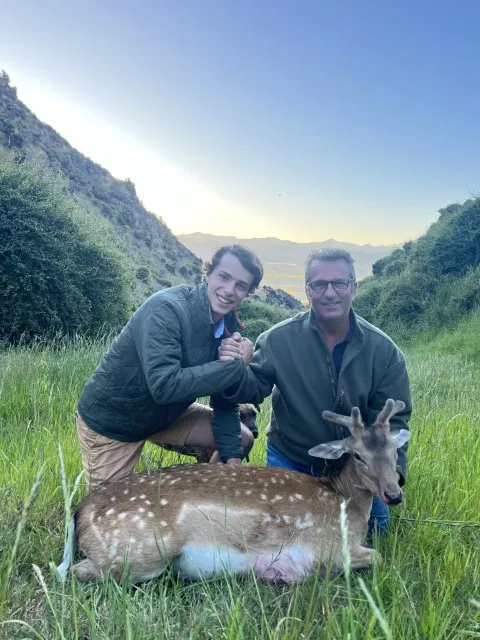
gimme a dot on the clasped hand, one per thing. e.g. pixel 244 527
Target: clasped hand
pixel 236 347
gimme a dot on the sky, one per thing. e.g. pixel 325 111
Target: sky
pixel 299 119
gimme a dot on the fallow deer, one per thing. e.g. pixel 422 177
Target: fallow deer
pixel 206 519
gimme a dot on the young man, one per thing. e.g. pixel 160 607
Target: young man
pixel 165 358
pixel 325 359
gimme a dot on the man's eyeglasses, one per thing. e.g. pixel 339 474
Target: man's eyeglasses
pixel 320 286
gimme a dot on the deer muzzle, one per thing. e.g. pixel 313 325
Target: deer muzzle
pixel 393 496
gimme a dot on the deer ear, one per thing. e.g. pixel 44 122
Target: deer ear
pixel 329 450
pixel 400 437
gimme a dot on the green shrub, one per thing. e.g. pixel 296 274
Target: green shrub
pixel 391 265
pixel 143 274
pixel 430 283
pixel 60 271
pixel 455 299
pixel 404 300
pixel 163 282
pixel 452 245
pixel 369 293
pixel 259 316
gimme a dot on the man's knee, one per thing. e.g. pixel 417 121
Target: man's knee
pixel 379 518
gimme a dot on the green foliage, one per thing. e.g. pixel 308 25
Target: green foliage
pixel 259 316
pixel 452 245
pixel 369 292
pixel 143 274
pixel 391 265
pixel 430 283
pixel 145 237
pixel 404 299
pixel 60 269
pixel 454 300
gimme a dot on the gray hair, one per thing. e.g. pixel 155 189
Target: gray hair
pixel 330 255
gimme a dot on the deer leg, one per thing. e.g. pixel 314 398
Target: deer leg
pixel 85 570
pixel 142 575
pixel 363 557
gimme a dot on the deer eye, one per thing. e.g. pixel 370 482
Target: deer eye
pixel 357 457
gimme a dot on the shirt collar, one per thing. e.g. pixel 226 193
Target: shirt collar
pixel 219 327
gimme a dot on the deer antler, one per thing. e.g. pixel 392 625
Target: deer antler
pixel 390 409
pixel 353 422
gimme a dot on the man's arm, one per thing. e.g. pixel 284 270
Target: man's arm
pixel 159 346
pixel 226 416
pixel 226 429
pixel 395 385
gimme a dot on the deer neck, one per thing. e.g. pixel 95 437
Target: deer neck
pixel 347 482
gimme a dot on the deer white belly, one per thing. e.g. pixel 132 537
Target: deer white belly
pixel 200 562
pixel 288 564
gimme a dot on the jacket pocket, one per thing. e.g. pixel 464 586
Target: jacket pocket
pixel 130 401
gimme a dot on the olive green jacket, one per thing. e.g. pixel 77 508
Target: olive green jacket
pixel 293 359
pixel 162 361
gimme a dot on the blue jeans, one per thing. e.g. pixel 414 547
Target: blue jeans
pixel 378 521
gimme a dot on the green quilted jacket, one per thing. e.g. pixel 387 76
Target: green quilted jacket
pixel 162 361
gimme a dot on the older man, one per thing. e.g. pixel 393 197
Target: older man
pixel 327 358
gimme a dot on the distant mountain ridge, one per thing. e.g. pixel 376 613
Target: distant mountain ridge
pixel 274 250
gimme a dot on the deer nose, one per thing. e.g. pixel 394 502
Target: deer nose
pixel 393 497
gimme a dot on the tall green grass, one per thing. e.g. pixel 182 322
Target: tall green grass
pixel 426 587
pixel 463 339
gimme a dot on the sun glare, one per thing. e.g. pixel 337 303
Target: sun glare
pixel 168 191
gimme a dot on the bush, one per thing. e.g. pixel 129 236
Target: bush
pixel 369 293
pixel 162 282
pixel 453 245
pixel 455 299
pixel 60 271
pixel 259 316
pixel 391 265
pixel 430 283
pixel 143 274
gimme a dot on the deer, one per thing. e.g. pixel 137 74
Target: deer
pixel 205 520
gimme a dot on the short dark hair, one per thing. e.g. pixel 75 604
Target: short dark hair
pixel 330 255
pixel 248 259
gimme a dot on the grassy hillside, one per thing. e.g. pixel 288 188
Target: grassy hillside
pixel 425 588
pixel 431 283
pixel 159 258
pixel 462 340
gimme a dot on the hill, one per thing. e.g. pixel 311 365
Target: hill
pixel 430 283
pixel 158 257
pixel 277 298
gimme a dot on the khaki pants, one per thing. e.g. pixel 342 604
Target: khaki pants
pixel 106 459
